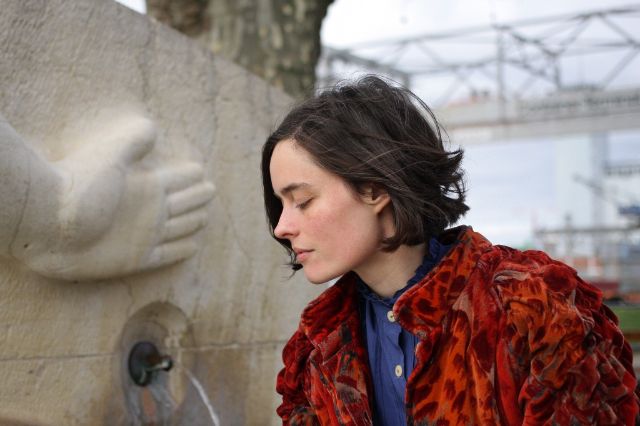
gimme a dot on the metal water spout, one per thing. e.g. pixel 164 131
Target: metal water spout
pixel 145 361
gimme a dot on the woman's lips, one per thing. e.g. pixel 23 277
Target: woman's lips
pixel 302 255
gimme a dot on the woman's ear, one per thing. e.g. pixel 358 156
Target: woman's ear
pixel 376 196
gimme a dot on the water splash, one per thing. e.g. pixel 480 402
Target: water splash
pixel 203 394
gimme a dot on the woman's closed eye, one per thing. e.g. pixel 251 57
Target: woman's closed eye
pixel 304 204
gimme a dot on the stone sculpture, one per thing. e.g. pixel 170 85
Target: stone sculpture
pixel 98 213
pixel 223 314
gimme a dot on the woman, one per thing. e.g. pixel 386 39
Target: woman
pixel 426 325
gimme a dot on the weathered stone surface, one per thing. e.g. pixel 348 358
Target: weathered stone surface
pixel 226 311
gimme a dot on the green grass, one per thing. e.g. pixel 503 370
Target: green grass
pixel 629 317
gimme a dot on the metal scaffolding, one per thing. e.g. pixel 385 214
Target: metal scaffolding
pixel 508 60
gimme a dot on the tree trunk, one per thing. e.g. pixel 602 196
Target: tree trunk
pixel 278 40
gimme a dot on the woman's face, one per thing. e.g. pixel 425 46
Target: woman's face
pixel 331 227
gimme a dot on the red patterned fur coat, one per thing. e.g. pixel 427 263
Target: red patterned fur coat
pixel 506 337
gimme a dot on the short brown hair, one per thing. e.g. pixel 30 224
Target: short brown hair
pixel 373 132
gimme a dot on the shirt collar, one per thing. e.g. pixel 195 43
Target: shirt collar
pixel 436 251
pixel 424 305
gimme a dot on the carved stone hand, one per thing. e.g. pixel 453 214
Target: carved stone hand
pixel 100 213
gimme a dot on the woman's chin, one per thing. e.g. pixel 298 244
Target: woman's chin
pixel 319 278
pixel 316 280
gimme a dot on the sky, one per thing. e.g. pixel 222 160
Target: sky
pixel 381 19
pixel 385 20
pixel 513 186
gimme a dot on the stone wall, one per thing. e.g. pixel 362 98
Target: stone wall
pixel 224 313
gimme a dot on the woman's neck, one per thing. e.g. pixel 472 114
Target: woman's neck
pixel 387 272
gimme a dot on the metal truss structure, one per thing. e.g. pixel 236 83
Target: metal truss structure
pixel 518 60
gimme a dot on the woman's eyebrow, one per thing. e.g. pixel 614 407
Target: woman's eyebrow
pixel 292 187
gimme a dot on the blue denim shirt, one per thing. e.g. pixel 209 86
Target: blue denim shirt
pixel 391 349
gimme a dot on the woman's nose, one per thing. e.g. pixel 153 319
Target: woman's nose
pixel 285 227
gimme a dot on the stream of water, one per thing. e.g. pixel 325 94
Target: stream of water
pixel 203 394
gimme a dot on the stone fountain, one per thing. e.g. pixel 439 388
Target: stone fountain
pixel 130 211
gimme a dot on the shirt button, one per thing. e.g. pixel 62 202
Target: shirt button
pixel 391 317
pixel 398 370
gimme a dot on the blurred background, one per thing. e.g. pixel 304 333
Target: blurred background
pixel 544 97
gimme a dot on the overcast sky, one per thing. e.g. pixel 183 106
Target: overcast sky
pixel 353 21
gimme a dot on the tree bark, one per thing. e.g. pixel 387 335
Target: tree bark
pixel 278 40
